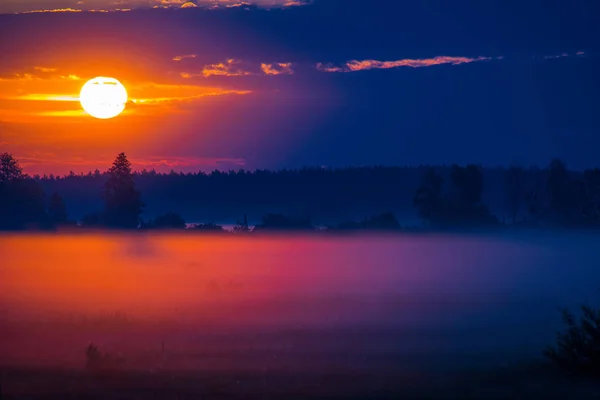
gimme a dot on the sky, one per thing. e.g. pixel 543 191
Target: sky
pixel 220 84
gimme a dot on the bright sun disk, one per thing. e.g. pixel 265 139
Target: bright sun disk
pixel 103 97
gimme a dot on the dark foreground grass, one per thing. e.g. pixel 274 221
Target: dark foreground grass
pixel 523 382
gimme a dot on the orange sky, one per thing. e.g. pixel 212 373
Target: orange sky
pixel 276 85
pixel 43 123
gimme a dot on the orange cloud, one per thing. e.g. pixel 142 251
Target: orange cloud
pixel 277 69
pixel 53 6
pixel 26 95
pixel 71 77
pixel 45 97
pixel 356 65
pixel 295 3
pixel 54 10
pixel 44 69
pixel 187 98
pixel 189 4
pixel 228 68
pixel 186 56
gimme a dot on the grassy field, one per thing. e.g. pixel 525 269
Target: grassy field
pixel 524 382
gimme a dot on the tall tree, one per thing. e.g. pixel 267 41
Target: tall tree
pixel 514 193
pixel 10 169
pixel 467 184
pixel 428 198
pixel 57 210
pixel 561 191
pixel 21 198
pixel 591 208
pixel 122 201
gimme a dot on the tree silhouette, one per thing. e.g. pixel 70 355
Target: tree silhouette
pixel 467 184
pixel 122 201
pixel 381 222
pixel 281 222
pixel 428 198
pixel 242 226
pixel 513 190
pixel 57 210
pixel 10 170
pixel 561 191
pixel 591 207
pixel 21 198
pixel 167 221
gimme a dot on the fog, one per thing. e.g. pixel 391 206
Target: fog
pixel 190 301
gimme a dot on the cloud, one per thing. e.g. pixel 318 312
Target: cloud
pixel 71 77
pixel 181 162
pixel 156 100
pixel 44 69
pixel 45 97
pixel 277 69
pixel 189 4
pixel 564 55
pixel 73 6
pixel 356 65
pixel 25 95
pixel 39 74
pixel 233 67
pixel 184 57
pixel 50 10
pixel 556 56
pixel 228 68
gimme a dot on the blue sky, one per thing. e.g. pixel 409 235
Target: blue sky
pixel 328 82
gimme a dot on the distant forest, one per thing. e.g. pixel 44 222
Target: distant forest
pixel 346 198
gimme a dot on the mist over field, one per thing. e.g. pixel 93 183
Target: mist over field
pixel 290 302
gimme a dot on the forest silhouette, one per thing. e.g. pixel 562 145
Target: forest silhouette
pixel 444 197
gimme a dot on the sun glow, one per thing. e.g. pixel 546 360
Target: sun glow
pixel 103 97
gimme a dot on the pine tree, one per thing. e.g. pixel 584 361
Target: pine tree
pixel 122 201
pixel 57 210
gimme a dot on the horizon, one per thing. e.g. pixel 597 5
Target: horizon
pixel 162 169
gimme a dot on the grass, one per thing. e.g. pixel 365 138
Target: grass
pixel 514 382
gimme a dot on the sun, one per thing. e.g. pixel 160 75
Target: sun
pixel 103 97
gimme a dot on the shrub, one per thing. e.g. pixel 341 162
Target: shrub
pixel 577 349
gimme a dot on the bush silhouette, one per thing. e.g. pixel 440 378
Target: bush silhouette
pixel 577 349
pixel 209 226
pixel 281 222
pixel 167 221
pixel 381 222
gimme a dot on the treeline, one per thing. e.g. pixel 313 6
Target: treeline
pixel 445 197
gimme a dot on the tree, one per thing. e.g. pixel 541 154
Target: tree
pixel 21 198
pixel 384 222
pixel 561 192
pixel 467 184
pixel 242 227
pixel 167 221
pixel 57 210
pixel 122 201
pixel 281 222
pixel 428 198
pixel 10 169
pixel 577 349
pixel 513 189
pixel 591 207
